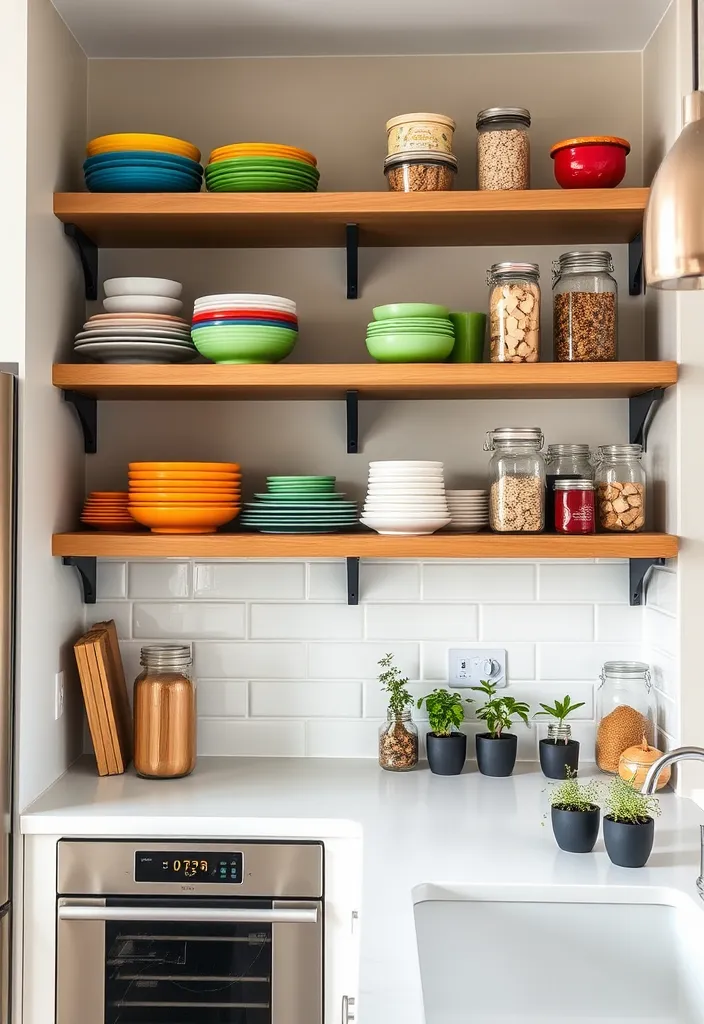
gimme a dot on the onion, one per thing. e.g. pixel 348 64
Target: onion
pixel 634 762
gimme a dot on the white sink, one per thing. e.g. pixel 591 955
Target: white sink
pixel 577 954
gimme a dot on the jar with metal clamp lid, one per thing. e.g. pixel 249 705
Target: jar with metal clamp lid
pixel 517 473
pixel 165 713
pixel 585 299
pixel 564 462
pixel 514 312
pixel 620 484
pixel 626 711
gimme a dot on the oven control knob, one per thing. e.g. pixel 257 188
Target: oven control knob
pixel 348 1003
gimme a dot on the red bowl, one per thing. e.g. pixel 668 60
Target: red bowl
pixel 595 161
pixel 245 314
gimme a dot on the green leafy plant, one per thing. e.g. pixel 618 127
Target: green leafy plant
pixel 572 795
pixel 445 711
pixel 629 805
pixel 559 710
pixel 499 712
pixel 394 683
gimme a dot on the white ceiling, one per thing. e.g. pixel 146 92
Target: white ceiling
pixel 255 28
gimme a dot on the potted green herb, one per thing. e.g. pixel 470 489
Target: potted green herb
pixel 559 752
pixel 398 738
pixel 447 747
pixel 629 827
pixel 574 811
pixel 497 748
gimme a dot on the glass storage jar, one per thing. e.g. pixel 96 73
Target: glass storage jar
pixel 574 506
pixel 626 711
pixel 165 713
pixel 620 482
pixel 420 172
pixel 398 742
pixel 567 462
pixel 585 300
pixel 517 480
pixel 514 312
pixel 503 148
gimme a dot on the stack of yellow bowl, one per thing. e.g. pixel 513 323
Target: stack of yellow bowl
pixel 184 497
pixel 107 510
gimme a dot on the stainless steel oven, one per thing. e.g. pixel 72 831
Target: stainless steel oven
pixel 190 933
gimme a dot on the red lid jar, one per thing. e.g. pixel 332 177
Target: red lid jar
pixel 574 506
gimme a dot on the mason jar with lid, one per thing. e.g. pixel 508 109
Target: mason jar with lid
pixel 626 711
pixel 503 148
pixel 568 462
pixel 514 312
pixel 620 484
pixel 398 742
pixel 585 301
pixel 165 713
pixel 517 480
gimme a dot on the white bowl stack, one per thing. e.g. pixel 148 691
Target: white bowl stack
pixel 469 510
pixel 406 498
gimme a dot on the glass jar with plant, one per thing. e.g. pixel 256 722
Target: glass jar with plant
pixel 629 827
pixel 559 751
pixel 398 737
pixel 575 813
pixel 447 747
pixel 497 748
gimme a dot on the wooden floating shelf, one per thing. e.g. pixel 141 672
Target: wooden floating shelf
pixel 303 220
pixel 362 545
pixel 371 380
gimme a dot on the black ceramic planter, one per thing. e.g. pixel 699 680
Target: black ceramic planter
pixel 446 754
pixel 556 757
pixel 628 845
pixel 496 757
pixel 575 831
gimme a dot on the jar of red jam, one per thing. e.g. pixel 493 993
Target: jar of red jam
pixel 574 506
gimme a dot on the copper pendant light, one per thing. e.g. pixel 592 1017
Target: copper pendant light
pixel 673 229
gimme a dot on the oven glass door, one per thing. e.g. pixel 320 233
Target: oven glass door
pixel 189 961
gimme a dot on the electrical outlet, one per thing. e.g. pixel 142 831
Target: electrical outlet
pixel 58 695
pixel 468 666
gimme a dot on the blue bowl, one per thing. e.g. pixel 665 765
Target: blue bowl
pixel 245 322
pixel 146 171
pixel 139 156
pixel 142 169
pixel 142 180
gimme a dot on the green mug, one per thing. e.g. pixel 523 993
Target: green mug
pixel 470 330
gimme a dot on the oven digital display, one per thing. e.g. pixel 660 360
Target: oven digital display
pixel 165 866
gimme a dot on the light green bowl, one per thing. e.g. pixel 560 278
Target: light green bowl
pixel 406 309
pixel 410 348
pixel 397 329
pixel 245 333
pixel 244 349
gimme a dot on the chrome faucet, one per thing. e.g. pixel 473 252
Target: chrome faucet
pixel 650 782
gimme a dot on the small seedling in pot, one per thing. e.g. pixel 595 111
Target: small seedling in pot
pixel 497 748
pixel 447 748
pixel 559 711
pixel 559 753
pixel 629 827
pixel 574 811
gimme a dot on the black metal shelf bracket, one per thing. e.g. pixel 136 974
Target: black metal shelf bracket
pixel 88 574
pixel 352 580
pixel 352 247
pixel 635 265
pixel 87 411
pixel 352 405
pixel 638 569
pixel 641 412
pixel 88 255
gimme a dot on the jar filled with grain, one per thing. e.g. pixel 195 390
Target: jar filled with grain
pixel 626 711
pixel 165 713
pixel 514 312
pixel 503 148
pixel 517 480
pixel 620 487
pixel 585 300
pixel 398 742
pixel 420 172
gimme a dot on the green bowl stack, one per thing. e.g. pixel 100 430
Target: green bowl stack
pixel 261 167
pixel 300 504
pixel 410 332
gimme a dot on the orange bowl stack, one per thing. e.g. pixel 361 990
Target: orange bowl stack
pixel 107 510
pixel 184 497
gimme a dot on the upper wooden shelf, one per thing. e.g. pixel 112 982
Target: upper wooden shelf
pixel 370 380
pixel 302 220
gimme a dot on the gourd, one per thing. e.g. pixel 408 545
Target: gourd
pixel 634 762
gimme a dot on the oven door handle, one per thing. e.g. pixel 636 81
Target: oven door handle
pixel 206 915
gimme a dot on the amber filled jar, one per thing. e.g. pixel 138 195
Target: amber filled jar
pixel 585 299
pixel 574 506
pixel 626 711
pixel 165 713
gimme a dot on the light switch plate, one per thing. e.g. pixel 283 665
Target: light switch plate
pixel 468 666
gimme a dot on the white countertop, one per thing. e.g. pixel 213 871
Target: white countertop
pixel 417 827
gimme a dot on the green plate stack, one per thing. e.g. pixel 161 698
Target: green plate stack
pixel 300 504
pixel 410 332
pixel 261 167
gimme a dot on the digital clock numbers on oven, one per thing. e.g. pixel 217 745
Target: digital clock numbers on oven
pixel 156 866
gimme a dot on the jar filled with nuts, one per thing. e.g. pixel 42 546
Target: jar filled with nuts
pixel 514 312
pixel 585 298
pixel 517 473
pixel 420 172
pixel 503 148
pixel 626 711
pixel 398 742
pixel 620 484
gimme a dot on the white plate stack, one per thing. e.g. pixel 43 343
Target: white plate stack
pixel 406 498
pixel 469 510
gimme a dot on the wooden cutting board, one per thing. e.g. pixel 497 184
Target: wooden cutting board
pixel 105 695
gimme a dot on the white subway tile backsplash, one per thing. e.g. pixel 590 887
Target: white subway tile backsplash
pixel 120 611
pixel 159 580
pixel 661 631
pixel 276 699
pixel 222 698
pixel 619 623
pixel 360 660
pixel 668 716
pixel 421 621
pixel 112 580
pixel 175 621
pixel 520 659
pixel 339 738
pixel 661 590
pixel 583 582
pixel 537 622
pixel 378 581
pixel 232 737
pixel 665 674
pixel 535 693
pixel 479 583
pixel 582 661
pixel 305 621
pixel 376 700
pixel 253 581
pixel 250 661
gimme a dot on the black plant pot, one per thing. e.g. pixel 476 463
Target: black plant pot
pixel 575 831
pixel 629 845
pixel 446 754
pixel 556 757
pixel 496 757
